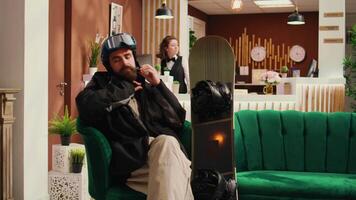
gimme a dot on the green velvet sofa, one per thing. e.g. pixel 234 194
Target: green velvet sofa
pixel 98 152
pixel 295 155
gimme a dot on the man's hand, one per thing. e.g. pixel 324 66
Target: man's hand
pixel 137 85
pixel 150 74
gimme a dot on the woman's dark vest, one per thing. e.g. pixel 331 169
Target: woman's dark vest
pixel 177 72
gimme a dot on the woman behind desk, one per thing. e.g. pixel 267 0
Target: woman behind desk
pixel 172 61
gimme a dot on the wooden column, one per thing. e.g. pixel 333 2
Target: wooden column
pixel 7 100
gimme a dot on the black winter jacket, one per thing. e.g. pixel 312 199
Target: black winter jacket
pixel 102 105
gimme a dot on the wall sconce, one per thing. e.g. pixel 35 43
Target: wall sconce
pixel 164 12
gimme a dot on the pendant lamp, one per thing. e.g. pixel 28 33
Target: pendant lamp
pixel 295 18
pixel 164 12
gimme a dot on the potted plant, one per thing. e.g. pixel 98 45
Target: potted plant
pixel 76 159
pixel 64 126
pixel 93 58
pixel 284 71
pixel 350 70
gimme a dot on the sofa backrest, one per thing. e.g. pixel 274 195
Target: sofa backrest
pixel 295 141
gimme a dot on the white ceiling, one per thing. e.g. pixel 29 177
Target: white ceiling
pixel 223 7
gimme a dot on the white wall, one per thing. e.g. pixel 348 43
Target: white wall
pixel 24 65
pixel 184 29
pixel 36 100
pixel 331 55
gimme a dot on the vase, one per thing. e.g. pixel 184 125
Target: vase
pixel 65 140
pixel 284 75
pixel 166 73
pixel 92 70
pixel 77 167
pixel 268 89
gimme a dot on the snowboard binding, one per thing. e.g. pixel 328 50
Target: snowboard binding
pixel 211 100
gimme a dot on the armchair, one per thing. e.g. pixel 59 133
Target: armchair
pixel 98 151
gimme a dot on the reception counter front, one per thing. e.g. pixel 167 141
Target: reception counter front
pixel 304 94
pixel 316 94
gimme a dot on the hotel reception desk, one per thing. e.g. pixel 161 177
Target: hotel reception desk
pixel 303 94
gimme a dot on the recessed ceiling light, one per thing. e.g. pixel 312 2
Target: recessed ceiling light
pixel 236 4
pixel 274 3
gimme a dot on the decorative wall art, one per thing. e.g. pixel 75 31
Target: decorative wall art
pixel 116 12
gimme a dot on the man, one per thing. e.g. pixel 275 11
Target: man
pixel 141 119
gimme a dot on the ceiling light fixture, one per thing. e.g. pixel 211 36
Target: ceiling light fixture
pixel 295 18
pixel 236 4
pixel 274 3
pixel 164 12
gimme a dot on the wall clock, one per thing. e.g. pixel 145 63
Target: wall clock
pixel 297 53
pixel 258 53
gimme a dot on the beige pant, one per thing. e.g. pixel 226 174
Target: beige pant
pixel 167 173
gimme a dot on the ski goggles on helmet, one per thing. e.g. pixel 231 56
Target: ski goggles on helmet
pixel 121 40
pixel 115 42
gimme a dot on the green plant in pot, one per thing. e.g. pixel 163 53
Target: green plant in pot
pixel 350 70
pixel 77 156
pixel 284 71
pixel 64 126
pixel 94 55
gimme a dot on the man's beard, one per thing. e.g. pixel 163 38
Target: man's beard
pixel 129 73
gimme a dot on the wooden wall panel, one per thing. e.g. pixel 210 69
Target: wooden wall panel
pixel 265 26
pixel 321 98
pixel 154 30
pixel 276 55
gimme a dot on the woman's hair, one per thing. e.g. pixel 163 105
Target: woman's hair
pixel 164 44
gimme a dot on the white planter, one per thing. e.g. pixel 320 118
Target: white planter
pixel 68 186
pixel 92 70
pixel 60 157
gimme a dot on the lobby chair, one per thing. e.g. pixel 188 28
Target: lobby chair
pixel 99 153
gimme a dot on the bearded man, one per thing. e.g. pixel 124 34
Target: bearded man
pixel 141 118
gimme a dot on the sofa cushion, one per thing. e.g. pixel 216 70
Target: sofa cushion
pixel 295 141
pixel 297 184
